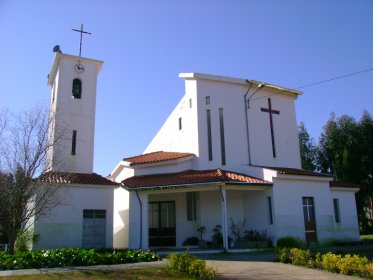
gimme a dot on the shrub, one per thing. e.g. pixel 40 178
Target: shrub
pixel 330 262
pixel 73 257
pixel 23 241
pixel 349 265
pixel 352 265
pixel 368 271
pixel 192 266
pixel 289 242
pixel 284 255
pixel 300 257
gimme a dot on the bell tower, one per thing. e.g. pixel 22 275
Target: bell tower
pixel 73 80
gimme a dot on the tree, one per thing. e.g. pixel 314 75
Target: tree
pixel 345 151
pixel 23 148
pixel 307 148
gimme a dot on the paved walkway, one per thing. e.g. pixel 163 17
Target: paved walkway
pixel 228 266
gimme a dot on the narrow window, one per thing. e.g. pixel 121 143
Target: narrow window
pixel 270 210
pixel 77 89
pixel 222 140
pixel 73 143
pixel 337 214
pixel 53 93
pixel 207 100
pixel 209 136
pixel 191 206
pixel 180 124
pixel 190 102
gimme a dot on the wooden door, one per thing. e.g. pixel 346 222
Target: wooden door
pixel 309 219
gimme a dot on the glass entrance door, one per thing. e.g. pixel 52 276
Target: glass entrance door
pixel 162 224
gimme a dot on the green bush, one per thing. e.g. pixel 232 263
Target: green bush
pixel 368 271
pixel 284 255
pixel 330 262
pixel 349 265
pixel 192 266
pixel 289 242
pixel 23 242
pixel 352 265
pixel 73 257
pixel 300 257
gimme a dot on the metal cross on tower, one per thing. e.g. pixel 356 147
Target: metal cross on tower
pixel 81 37
pixel 270 111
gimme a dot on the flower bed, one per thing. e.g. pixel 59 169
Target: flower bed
pixel 73 257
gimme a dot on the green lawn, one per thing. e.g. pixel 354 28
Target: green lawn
pixel 161 273
pixel 367 236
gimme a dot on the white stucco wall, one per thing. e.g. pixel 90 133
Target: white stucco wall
pixel 121 218
pixel 348 228
pixel 289 216
pixel 62 227
pixel 172 139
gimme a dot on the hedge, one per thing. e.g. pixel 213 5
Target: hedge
pixel 348 265
pixel 73 257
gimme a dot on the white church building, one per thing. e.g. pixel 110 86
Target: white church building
pixel 228 153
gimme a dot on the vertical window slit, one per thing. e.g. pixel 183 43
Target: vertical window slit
pixel 209 136
pixel 270 210
pixel 222 140
pixel 337 213
pixel 73 143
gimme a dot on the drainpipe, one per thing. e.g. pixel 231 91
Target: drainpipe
pixel 247 122
pixel 247 105
pixel 140 218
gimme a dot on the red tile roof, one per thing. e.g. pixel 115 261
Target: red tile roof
pixel 156 157
pixel 190 177
pixel 295 171
pixel 337 184
pixel 75 178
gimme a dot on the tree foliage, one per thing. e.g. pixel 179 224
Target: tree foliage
pixel 345 150
pixel 308 149
pixel 23 148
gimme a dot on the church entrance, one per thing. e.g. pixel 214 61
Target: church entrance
pixel 309 219
pixel 162 224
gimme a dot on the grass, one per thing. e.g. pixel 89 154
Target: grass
pixel 367 236
pixel 161 273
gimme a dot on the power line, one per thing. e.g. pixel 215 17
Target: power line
pixel 336 78
pixel 321 82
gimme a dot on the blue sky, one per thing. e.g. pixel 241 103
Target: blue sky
pixel 146 44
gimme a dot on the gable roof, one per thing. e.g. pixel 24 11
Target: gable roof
pixel 296 171
pixel 156 157
pixel 188 177
pixel 75 178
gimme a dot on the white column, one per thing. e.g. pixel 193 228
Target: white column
pixel 145 225
pixel 223 197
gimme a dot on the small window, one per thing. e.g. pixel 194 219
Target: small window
pixel 190 102
pixel 77 89
pixel 73 143
pixel 337 214
pixel 191 206
pixel 270 210
pixel 207 100
pixel 180 124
